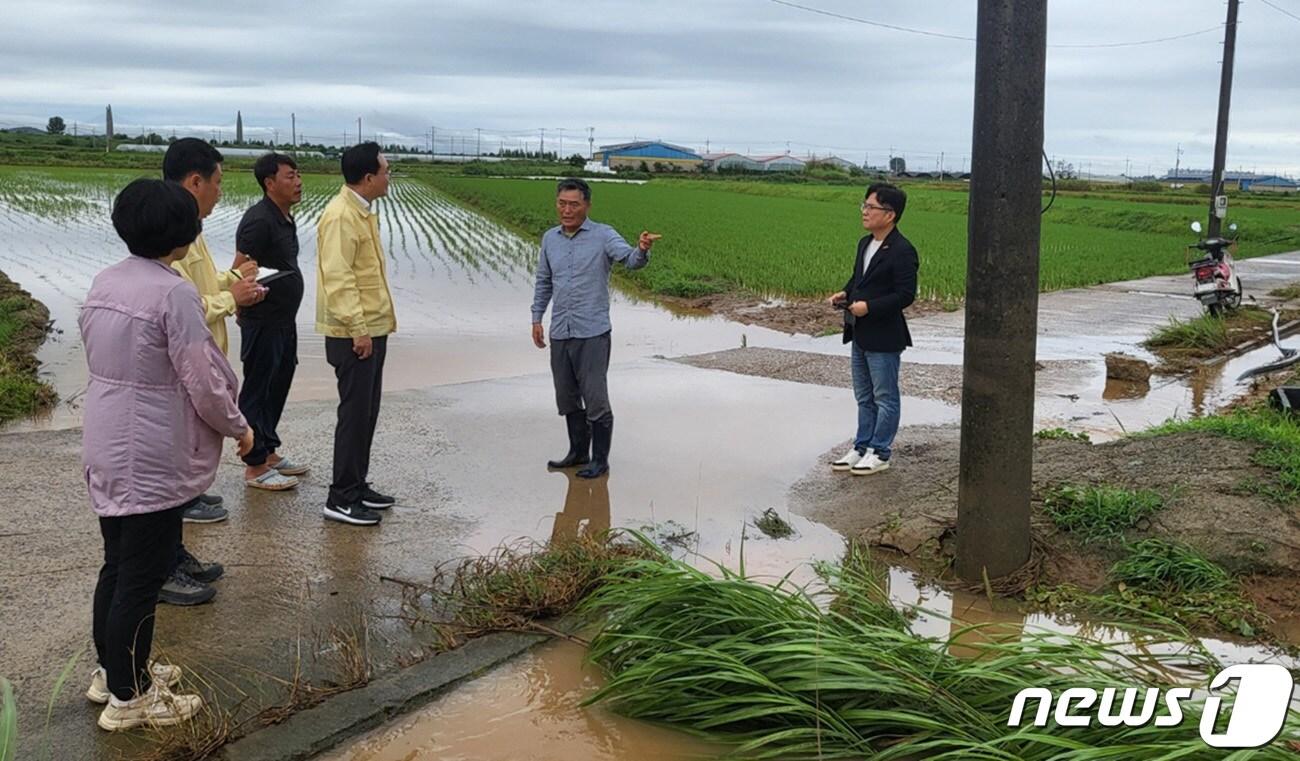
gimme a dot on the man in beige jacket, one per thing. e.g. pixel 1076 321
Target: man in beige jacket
pixel 196 166
pixel 354 311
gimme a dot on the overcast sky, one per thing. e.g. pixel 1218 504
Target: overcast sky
pixel 744 75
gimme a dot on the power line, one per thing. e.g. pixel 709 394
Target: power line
pixel 879 24
pixel 1280 10
pixel 947 36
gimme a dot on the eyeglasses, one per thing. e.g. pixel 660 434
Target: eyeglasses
pixel 876 207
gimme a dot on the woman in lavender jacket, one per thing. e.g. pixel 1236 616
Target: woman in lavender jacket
pixel 161 398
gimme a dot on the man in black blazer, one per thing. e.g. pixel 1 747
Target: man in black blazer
pixel 882 285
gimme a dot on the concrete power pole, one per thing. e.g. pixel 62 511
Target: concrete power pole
pixel 358 129
pixel 1225 99
pixel 478 142
pixel 108 129
pixel 542 150
pixel 591 143
pixel 293 128
pixel 239 128
pixel 997 411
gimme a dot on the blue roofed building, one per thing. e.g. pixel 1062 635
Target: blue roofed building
pixel 652 152
pixel 1270 184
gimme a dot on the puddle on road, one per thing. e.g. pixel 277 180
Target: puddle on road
pixel 526 708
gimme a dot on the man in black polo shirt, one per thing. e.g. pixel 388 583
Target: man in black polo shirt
pixel 268 332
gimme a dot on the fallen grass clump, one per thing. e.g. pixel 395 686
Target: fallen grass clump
pixel 773 525
pixel 1062 434
pixel 1099 513
pixel 514 586
pixel 769 669
pixel 1182 341
pixel 1165 584
pixel 1276 433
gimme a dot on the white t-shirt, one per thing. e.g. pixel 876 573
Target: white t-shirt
pixel 872 248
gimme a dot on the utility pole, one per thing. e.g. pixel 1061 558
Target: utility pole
pixel 1178 160
pixel 108 129
pixel 560 153
pixel 1225 98
pixel 293 128
pixel 997 411
pixel 591 143
pixel 478 142
pixel 542 150
pixel 433 140
pixel 940 166
pixel 358 129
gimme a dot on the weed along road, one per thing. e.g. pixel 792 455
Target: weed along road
pixel 467 425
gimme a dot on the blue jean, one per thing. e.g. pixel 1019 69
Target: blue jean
pixel 875 386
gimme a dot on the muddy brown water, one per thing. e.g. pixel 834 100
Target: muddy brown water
pixel 462 287
pixel 531 707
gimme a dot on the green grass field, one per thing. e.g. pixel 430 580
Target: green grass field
pixel 800 239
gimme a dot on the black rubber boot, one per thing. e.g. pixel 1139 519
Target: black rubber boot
pixel 579 442
pixel 602 434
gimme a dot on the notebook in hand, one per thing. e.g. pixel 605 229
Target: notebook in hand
pixel 266 274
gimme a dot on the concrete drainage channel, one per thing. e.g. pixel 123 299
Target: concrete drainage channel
pixel 309 733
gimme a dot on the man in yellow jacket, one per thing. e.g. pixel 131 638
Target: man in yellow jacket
pixel 354 311
pixel 196 166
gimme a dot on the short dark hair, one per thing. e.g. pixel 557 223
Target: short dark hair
pixel 268 164
pixel 360 160
pixel 573 183
pixel 156 217
pixel 891 196
pixel 190 154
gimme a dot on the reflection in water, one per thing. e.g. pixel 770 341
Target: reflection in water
pixel 586 508
pixel 1122 389
pixel 977 620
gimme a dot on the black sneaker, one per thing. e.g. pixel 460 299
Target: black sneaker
pixel 202 512
pixel 357 515
pixel 183 589
pixel 204 573
pixel 211 500
pixel 374 500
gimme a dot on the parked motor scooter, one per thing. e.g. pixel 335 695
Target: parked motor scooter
pixel 1215 280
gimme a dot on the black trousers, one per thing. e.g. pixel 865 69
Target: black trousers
pixel 139 552
pixel 579 367
pixel 270 355
pixel 361 383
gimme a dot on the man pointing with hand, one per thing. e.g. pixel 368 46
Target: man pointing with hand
pixel 573 274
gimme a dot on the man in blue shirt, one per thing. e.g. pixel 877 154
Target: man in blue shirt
pixel 573 272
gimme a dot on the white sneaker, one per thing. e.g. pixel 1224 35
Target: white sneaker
pixel 869 465
pixel 849 459
pixel 162 673
pixel 156 708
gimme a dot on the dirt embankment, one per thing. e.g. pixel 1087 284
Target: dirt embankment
pixel 926 381
pixel 24 324
pixel 912 508
pixel 792 315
